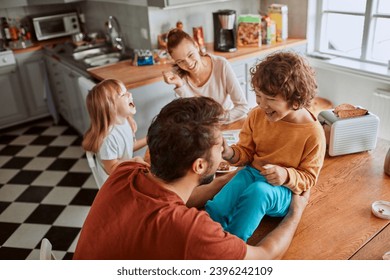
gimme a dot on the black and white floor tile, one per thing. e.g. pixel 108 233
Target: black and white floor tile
pixel 46 189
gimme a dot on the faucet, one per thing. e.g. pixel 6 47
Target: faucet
pixel 114 32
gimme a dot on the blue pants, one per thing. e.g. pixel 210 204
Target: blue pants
pixel 243 202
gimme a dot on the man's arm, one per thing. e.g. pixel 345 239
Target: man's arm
pixel 276 243
pixel 201 194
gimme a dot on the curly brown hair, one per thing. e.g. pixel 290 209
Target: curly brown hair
pixel 288 74
pixel 184 130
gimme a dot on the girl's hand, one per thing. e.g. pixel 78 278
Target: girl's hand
pixel 275 175
pixel 140 160
pixel 172 79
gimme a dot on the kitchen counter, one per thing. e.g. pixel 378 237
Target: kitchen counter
pixel 40 45
pixel 136 76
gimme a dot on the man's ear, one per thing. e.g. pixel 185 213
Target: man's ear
pixel 199 166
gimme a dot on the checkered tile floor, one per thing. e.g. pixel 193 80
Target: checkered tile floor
pixel 46 189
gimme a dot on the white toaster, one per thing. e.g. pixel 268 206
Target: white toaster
pixel 349 135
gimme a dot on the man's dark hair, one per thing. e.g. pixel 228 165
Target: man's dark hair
pixel 183 131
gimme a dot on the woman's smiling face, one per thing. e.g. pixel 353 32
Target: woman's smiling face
pixel 186 56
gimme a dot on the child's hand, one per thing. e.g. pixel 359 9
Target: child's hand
pixel 172 79
pixel 228 152
pixel 275 175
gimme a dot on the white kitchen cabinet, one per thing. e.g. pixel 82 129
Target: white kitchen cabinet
pixel 180 3
pixel 12 109
pixel 150 99
pixel 64 82
pixel 128 2
pixel 32 72
pixel 250 94
pixel 24 90
pixel 241 69
pixel 49 2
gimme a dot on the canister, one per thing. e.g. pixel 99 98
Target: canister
pixel 279 14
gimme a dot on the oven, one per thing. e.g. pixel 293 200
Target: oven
pixel 54 26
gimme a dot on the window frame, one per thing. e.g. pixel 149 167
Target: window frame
pixel 370 19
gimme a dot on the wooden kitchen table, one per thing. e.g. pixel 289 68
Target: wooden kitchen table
pixel 337 223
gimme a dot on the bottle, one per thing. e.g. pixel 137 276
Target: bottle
pixel 14 30
pixel 5 29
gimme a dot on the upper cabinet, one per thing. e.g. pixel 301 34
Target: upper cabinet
pixel 12 3
pixel 48 2
pixel 128 2
pixel 171 4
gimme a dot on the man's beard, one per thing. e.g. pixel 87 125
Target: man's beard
pixel 206 179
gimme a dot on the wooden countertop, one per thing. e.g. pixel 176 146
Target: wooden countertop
pixel 338 223
pixel 40 45
pixel 136 76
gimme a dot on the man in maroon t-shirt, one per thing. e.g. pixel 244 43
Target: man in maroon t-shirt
pixel 143 213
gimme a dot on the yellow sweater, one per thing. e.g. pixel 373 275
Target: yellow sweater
pixel 298 147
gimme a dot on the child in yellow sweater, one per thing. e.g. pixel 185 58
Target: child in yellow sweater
pixel 281 143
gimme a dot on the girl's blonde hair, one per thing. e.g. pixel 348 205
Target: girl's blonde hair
pixel 102 112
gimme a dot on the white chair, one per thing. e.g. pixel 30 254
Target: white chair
pixel 46 252
pixel 92 162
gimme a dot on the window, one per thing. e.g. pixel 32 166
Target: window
pixel 357 29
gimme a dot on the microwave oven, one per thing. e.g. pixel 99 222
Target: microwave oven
pixel 54 26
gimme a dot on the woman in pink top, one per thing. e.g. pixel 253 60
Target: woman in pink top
pixel 197 74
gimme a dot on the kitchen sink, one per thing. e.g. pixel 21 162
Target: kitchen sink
pixel 89 53
pixel 103 59
pixel 84 57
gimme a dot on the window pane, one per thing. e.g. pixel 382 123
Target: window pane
pixel 384 7
pixel 358 6
pixel 381 47
pixel 345 34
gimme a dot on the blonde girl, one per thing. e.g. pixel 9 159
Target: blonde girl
pixel 111 136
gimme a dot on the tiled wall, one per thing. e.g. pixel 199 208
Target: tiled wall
pixel 133 21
